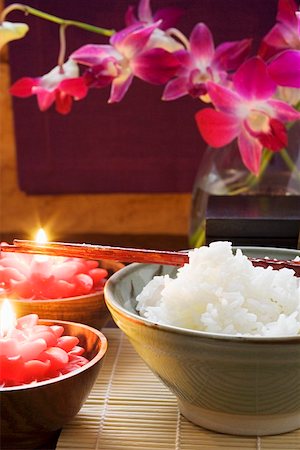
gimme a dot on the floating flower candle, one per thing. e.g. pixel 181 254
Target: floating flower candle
pixel 32 352
pixel 48 277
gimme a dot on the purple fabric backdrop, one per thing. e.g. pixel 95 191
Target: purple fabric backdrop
pixel 139 145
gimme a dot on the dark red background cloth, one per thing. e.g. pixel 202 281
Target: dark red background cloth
pixel 139 145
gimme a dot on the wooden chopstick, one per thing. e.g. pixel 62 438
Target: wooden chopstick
pixel 129 255
pixel 90 251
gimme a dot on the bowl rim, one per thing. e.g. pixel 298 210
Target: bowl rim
pixel 51 300
pixel 114 305
pixel 101 353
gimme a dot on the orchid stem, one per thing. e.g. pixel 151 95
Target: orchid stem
pixel 252 179
pixel 290 163
pixel 36 12
pixel 62 48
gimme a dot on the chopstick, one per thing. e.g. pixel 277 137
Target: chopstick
pixel 90 251
pixel 128 255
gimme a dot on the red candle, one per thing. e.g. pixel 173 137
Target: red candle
pixel 30 352
pixel 39 277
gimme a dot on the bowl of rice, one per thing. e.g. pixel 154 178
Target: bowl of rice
pixel 223 335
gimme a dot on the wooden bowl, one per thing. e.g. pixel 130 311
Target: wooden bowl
pixel 88 309
pixel 32 414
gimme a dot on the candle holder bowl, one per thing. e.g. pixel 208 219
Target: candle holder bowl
pixel 89 309
pixel 32 414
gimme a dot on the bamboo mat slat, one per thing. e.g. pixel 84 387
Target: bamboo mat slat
pixel 130 408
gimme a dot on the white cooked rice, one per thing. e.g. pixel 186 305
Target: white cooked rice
pixel 220 292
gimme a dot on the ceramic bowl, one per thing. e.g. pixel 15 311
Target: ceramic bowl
pixel 229 384
pixel 88 309
pixel 31 414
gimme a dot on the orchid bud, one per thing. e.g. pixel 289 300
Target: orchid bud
pixel 10 31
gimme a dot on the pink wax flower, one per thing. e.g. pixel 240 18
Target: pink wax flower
pixel 38 277
pixel 30 353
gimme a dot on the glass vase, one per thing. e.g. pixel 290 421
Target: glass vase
pixel 222 172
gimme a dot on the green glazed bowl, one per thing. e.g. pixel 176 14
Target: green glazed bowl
pixel 230 384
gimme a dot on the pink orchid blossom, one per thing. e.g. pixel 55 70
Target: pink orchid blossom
pixel 60 85
pixel 11 31
pixel 129 54
pixel 164 17
pixel 248 112
pixel 168 17
pixel 285 33
pixel 285 68
pixel 202 63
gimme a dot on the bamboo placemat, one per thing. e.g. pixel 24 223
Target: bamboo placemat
pixel 130 408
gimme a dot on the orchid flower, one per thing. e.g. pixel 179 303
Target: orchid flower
pixel 285 33
pixel 201 63
pixel 11 31
pixel 164 17
pixel 247 112
pixel 168 17
pixel 60 85
pixel 285 68
pixel 128 55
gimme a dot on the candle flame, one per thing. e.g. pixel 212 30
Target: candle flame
pixel 8 319
pixel 41 236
